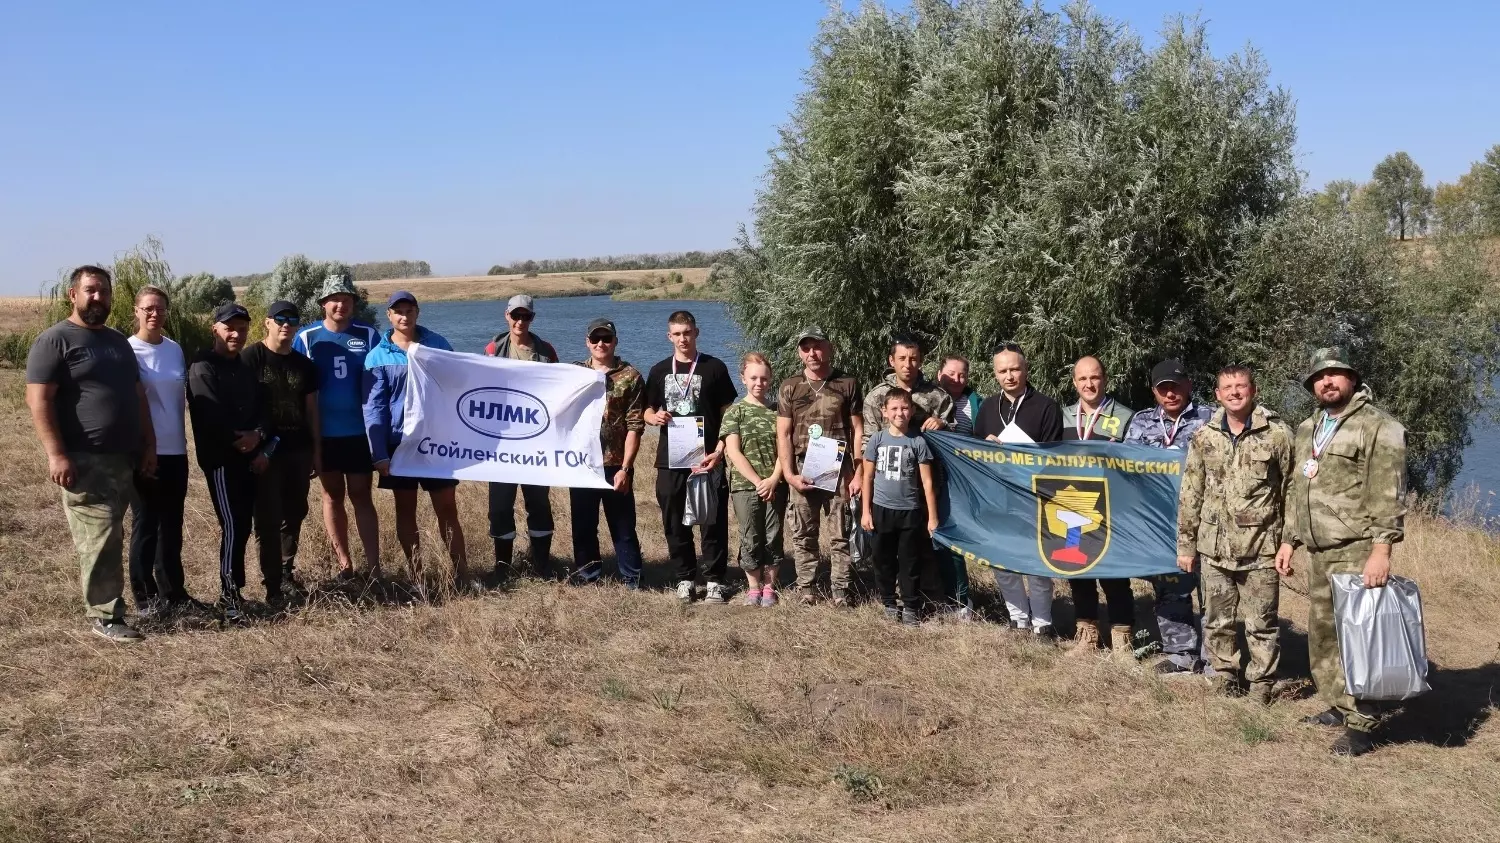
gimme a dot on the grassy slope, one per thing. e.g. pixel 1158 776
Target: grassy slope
pixel 596 714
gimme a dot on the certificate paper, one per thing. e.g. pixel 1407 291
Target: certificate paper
pixel 684 441
pixel 823 463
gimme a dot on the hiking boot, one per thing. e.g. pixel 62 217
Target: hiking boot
pixel 1352 743
pixel 118 631
pixel 1260 692
pixel 1085 639
pixel 715 594
pixel 186 605
pixel 807 598
pixel 1331 718
pixel 893 614
pixel 276 599
pixel 685 591
pixel 1231 687
pixel 911 616
pixel 291 585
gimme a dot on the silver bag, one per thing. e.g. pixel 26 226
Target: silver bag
pixel 1381 638
pixel 702 504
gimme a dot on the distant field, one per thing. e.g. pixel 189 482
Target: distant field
pixel 476 287
pixel 18 313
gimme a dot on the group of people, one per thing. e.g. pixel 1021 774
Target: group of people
pixel 811 458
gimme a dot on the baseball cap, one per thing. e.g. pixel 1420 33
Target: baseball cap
pixel 398 297
pixel 519 302
pixel 601 324
pixel 230 311
pixel 282 307
pixel 811 332
pixel 1167 370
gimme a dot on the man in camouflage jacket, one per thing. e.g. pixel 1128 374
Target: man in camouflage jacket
pixel 1230 513
pixel 931 405
pixel 1346 509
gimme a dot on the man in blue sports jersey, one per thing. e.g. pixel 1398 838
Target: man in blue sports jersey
pixel 341 451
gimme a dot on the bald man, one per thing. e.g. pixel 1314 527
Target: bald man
pixel 1098 417
pixel 1019 413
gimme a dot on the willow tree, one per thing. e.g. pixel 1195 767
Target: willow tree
pixel 989 170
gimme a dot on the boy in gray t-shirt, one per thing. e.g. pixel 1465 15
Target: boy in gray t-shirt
pixel 900 507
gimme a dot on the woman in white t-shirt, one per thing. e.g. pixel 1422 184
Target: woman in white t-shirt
pixel 156 578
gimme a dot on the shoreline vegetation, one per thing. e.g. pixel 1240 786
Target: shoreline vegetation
pixel 622 285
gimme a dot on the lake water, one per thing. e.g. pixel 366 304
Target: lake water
pixel 642 327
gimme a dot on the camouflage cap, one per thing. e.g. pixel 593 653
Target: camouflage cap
pixel 1334 357
pixel 335 285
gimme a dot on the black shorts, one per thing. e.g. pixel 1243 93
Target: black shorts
pixel 405 484
pixel 347 455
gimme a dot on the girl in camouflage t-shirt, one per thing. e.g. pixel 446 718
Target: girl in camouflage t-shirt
pixel 755 487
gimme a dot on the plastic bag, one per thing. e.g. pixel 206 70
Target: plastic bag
pixel 702 504
pixel 861 542
pixel 1381 638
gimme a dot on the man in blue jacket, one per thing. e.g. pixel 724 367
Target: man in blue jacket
pixel 385 393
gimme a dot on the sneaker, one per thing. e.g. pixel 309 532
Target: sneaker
pixel 117 631
pixel 715 594
pixel 1331 718
pixel 807 598
pixel 911 617
pixel 685 591
pixel 1044 633
pixel 275 599
pixel 1352 743
pixel 152 608
pixel 1167 667
pixel 893 614
pixel 232 604
pixel 768 596
pixel 188 606
pixel 291 585
pixel 344 575
pixel 752 597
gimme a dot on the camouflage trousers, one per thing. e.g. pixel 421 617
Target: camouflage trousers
pixel 1256 594
pixel 1322 636
pixel 817 512
pixel 95 506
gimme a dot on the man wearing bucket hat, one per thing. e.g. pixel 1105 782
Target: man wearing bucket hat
pixel 1346 508
pixel 341 450
pixel 519 343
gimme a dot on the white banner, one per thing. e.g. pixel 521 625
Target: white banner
pixel 471 417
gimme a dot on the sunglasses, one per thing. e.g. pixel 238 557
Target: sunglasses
pixel 601 339
pixel 285 319
pixel 522 316
pixel 1007 346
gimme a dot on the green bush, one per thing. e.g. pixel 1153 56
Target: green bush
pixel 613 285
pixel 689 287
pixel 200 293
pixel 297 279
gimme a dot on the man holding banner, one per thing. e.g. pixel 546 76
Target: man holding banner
pixel 1229 523
pixel 1170 425
pixel 1020 415
pixel 1098 417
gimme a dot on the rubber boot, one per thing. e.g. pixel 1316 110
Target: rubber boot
pixel 541 556
pixel 504 548
pixel 1085 639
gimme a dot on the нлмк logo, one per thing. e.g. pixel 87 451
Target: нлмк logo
pixel 501 413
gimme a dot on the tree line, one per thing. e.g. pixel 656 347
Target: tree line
pixel 669 260
pixel 987 171
pixel 369 271
pixel 1398 201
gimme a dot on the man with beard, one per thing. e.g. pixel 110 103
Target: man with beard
pixel 1346 508
pixel 1020 414
pixel 1230 513
pixel 91 415
pixel 1170 425
pixel 1098 417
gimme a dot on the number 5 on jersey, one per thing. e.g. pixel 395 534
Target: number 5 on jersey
pixel 340 367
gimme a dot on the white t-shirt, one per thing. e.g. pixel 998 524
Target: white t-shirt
pixel 164 375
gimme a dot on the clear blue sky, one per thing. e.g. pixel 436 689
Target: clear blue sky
pixel 469 133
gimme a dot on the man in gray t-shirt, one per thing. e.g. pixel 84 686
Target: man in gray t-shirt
pixel 90 413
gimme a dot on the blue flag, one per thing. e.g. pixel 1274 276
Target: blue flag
pixel 1065 509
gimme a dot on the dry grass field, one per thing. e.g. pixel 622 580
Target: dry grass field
pixel 21 313
pixel 565 714
pixel 474 287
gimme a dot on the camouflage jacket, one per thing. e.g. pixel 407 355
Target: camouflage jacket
pixel 1151 428
pixel 624 406
pixel 1358 494
pixel 1233 500
pixel 928 400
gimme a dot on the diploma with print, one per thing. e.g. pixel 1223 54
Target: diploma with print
pixel 685 441
pixel 823 463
